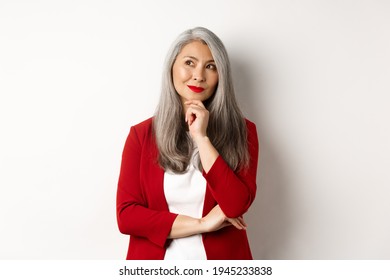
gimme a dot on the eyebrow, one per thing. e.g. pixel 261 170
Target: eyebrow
pixel 194 58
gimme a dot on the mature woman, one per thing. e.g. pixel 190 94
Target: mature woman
pixel 188 174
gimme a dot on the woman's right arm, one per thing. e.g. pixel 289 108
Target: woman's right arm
pixel 133 214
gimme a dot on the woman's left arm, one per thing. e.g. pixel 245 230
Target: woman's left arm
pixel 233 191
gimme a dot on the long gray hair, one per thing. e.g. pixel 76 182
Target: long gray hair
pixel 226 128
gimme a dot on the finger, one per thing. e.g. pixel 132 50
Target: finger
pixel 242 224
pixel 235 223
pixel 196 107
pixel 192 113
pixel 190 116
pixel 192 119
pixel 242 221
pixel 196 110
pixel 195 102
pixel 239 222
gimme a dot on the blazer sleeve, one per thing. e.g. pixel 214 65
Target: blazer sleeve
pixel 133 214
pixel 235 191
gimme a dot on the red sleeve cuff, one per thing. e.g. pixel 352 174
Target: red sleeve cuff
pixel 160 235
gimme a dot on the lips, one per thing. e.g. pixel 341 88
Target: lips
pixel 196 89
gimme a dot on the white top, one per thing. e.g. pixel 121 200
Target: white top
pixel 185 195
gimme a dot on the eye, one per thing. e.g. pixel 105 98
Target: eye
pixel 189 62
pixel 211 66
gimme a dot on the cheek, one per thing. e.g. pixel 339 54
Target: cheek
pixel 180 73
pixel 214 80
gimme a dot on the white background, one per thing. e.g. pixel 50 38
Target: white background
pixel 313 76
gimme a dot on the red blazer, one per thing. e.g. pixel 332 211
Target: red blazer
pixel 142 211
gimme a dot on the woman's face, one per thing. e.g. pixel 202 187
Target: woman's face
pixel 194 72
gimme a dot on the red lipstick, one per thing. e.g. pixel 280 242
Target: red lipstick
pixel 196 89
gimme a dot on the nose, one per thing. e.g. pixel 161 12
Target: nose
pixel 198 75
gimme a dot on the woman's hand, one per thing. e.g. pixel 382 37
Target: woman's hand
pixel 184 226
pixel 197 118
pixel 216 220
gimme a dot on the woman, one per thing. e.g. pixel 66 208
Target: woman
pixel 188 174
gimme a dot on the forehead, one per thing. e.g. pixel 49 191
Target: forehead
pixel 196 49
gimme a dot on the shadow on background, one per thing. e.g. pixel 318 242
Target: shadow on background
pixel 267 219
